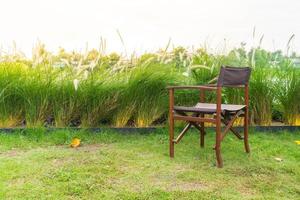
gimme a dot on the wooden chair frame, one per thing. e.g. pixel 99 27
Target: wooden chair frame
pixel 198 120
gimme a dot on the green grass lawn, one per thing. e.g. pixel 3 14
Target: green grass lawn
pixel 39 165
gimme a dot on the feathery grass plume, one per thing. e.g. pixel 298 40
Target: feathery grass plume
pixel 122 41
pixel 204 66
pixel 261 40
pixel 40 55
pixel 288 45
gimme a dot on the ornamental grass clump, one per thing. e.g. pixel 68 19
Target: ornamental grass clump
pixel 288 95
pixel 12 78
pixel 262 95
pixel 144 98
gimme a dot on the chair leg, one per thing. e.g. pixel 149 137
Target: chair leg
pixel 246 129
pixel 202 134
pixel 171 135
pixel 218 145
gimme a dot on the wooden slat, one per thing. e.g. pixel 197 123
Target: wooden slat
pixel 194 119
pixel 246 120
pixel 184 87
pixel 229 124
pixel 183 132
pixel 171 123
pixel 193 123
pixel 236 133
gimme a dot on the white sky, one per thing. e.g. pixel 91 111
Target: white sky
pixel 147 25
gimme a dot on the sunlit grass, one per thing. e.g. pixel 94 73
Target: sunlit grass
pixel 108 165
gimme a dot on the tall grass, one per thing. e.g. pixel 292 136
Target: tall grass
pixel 94 89
pixel 288 94
pixel 262 95
pixel 11 98
pixel 144 98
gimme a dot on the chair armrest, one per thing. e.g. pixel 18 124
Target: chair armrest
pixel 197 87
pixel 202 88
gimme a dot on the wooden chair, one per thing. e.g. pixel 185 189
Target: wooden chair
pixel 233 77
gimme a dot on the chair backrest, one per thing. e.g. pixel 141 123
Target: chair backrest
pixel 234 76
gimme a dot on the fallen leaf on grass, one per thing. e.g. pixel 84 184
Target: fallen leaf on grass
pixel 278 159
pixel 75 143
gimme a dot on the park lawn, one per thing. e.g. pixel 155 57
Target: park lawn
pixel 109 165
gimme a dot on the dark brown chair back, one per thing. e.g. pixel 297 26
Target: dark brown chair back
pixel 234 76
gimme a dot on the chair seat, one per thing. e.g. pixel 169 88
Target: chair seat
pixel 209 108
